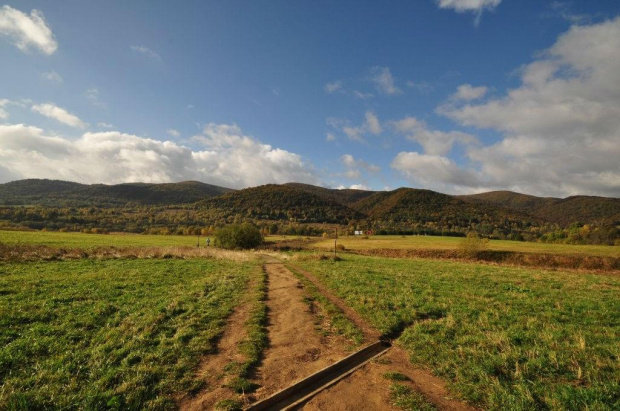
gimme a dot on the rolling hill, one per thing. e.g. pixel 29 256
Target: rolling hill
pixel 57 193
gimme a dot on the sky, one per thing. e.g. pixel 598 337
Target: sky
pixel 456 96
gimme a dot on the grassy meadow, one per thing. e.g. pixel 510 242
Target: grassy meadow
pixel 503 337
pixel 85 241
pixel 452 243
pixel 112 333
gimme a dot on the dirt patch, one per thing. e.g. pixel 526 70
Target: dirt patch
pixel 212 367
pixel 296 347
pixel 368 389
pixel 370 334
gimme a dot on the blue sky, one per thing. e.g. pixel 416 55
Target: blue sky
pixel 458 96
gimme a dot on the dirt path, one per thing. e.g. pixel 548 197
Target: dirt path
pixel 212 367
pixel 296 347
pixel 367 388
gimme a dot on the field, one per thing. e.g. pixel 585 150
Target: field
pixel 452 243
pixel 504 338
pixel 86 241
pixel 117 334
pixel 100 330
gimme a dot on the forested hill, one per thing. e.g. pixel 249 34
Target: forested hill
pixel 562 211
pixel 301 208
pixel 55 193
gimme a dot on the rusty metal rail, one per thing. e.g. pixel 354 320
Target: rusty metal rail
pixel 301 391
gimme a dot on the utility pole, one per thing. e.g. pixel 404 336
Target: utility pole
pixel 335 241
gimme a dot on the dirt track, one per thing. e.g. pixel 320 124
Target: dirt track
pixel 298 347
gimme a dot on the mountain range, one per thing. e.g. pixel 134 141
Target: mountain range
pixel 305 203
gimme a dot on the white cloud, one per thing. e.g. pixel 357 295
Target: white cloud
pixel 435 142
pixel 52 76
pixel 561 126
pixel 435 172
pixel 474 6
pixel 92 94
pixel 372 123
pixel 355 168
pixel 333 87
pixel 359 187
pixel 362 96
pixel 330 137
pixel 3 113
pixel 382 77
pixel 173 133
pixel 467 92
pixel 26 31
pixel 468 5
pixel 146 51
pixel 229 158
pixel 105 125
pixel 59 114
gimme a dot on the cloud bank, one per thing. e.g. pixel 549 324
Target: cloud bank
pixel 227 157
pixel 560 128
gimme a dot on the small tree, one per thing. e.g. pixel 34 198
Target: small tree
pixel 472 245
pixel 243 236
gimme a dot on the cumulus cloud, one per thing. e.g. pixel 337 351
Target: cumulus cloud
pixel 333 87
pixel 561 127
pixel 52 76
pixel 59 114
pixel 474 6
pixel 435 172
pixel 467 92
pixel 27 31
pixel 227 158
pixel 146 51
pixel 434 142
pixel 384 82
pixel 355 168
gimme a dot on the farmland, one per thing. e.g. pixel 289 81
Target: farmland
pixel 452 243
pixel 132 329
pixel 504 338
pixel 95 334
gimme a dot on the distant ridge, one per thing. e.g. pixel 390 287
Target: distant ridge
pixel 65 193
pixel 400 209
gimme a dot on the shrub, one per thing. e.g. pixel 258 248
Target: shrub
pixel 472 245
pixel 238 236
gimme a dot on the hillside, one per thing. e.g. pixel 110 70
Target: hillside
pixel 282 202
pixel 345 196
pixel 57 193
pixel 582 209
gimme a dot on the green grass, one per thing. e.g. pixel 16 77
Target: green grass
pixel 336 319
pixel 111 334
pixel 503 337
pixel 453 243
pixel 407 398
pixel 80 240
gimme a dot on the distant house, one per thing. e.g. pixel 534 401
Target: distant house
pixel 360 232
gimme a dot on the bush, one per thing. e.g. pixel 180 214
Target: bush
pixel 238 236
pixel 472 245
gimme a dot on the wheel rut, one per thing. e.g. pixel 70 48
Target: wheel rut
pixel 297 346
